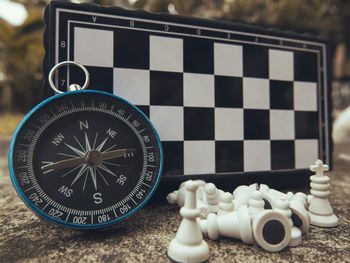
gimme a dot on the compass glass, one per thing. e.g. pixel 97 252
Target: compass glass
pixel 85 159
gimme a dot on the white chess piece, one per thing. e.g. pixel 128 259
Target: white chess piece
pixel 211 197
pixel 178 196
pixel 256 204
pixel 320 210
pixel 188 244
pixel 283 207
pixel 235 224
pixel 300 215
pixel 226 204
pixel 242 194
pixel 270 229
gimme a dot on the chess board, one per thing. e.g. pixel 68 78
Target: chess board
pixel 226 99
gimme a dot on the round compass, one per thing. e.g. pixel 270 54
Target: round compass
pixel 85 159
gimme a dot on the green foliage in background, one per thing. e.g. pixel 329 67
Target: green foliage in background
pixel 21 48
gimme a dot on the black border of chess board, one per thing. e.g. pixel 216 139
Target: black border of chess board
pixel 198 26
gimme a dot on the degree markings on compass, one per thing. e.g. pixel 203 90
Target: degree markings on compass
pixel 133 201
pixel 35 126
pixel 149 147
pixel 142 130
pixel 45 206
pixel 146 184
pixel 93 103
pixel 25 145
pixel 67 216
pixel 150 165
pixel 128 117
pixel 23 167
pixel 115 213
pixel 112 107
pixel 30 188
pixel 54 114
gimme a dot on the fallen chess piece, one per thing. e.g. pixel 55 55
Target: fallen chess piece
pixel 188 245
pixel 297 204
pixel 320 210
pixel 282 206
pixel 269 229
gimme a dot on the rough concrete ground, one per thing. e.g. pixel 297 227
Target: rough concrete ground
pixel 145 236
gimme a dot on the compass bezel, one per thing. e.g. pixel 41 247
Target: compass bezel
pixel 44 215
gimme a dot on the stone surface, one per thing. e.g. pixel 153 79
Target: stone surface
pixel 146 236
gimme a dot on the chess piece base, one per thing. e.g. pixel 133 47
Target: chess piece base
pixel 324 220
pixel 188 254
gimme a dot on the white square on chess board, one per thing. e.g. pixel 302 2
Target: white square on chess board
pixel 282 125
pixel 229 124
pixel 169 122
pixel 257 155
pixel 199 157
pixel 281 65
pixel 306 152
pixel 305 96
pixel 132 84
pixel 93 51
pixel 198 90
pixel 166 54
pixel 256 93
pixel 228 60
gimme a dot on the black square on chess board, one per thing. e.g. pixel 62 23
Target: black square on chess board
pixel 223 100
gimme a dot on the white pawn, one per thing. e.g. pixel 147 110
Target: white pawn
pixel 211 197
pixel 256 204
pixel 188 244
pixel 320 210
pixel 226 204
pixel 178 196
pixel 283 207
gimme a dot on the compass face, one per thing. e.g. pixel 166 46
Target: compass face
pixel 85 159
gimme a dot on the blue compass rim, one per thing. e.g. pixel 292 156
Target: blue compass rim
pixel 53 220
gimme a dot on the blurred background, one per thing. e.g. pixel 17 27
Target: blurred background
pixel 21 49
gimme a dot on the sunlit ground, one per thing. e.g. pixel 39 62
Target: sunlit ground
pixel 8 123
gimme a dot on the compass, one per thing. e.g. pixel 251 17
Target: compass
pixel 85 159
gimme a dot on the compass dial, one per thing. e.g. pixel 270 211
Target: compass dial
pixel 85 159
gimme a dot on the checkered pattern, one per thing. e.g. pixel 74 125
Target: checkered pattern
pixel 218 107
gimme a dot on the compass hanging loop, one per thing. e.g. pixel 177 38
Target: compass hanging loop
pixel 71 87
